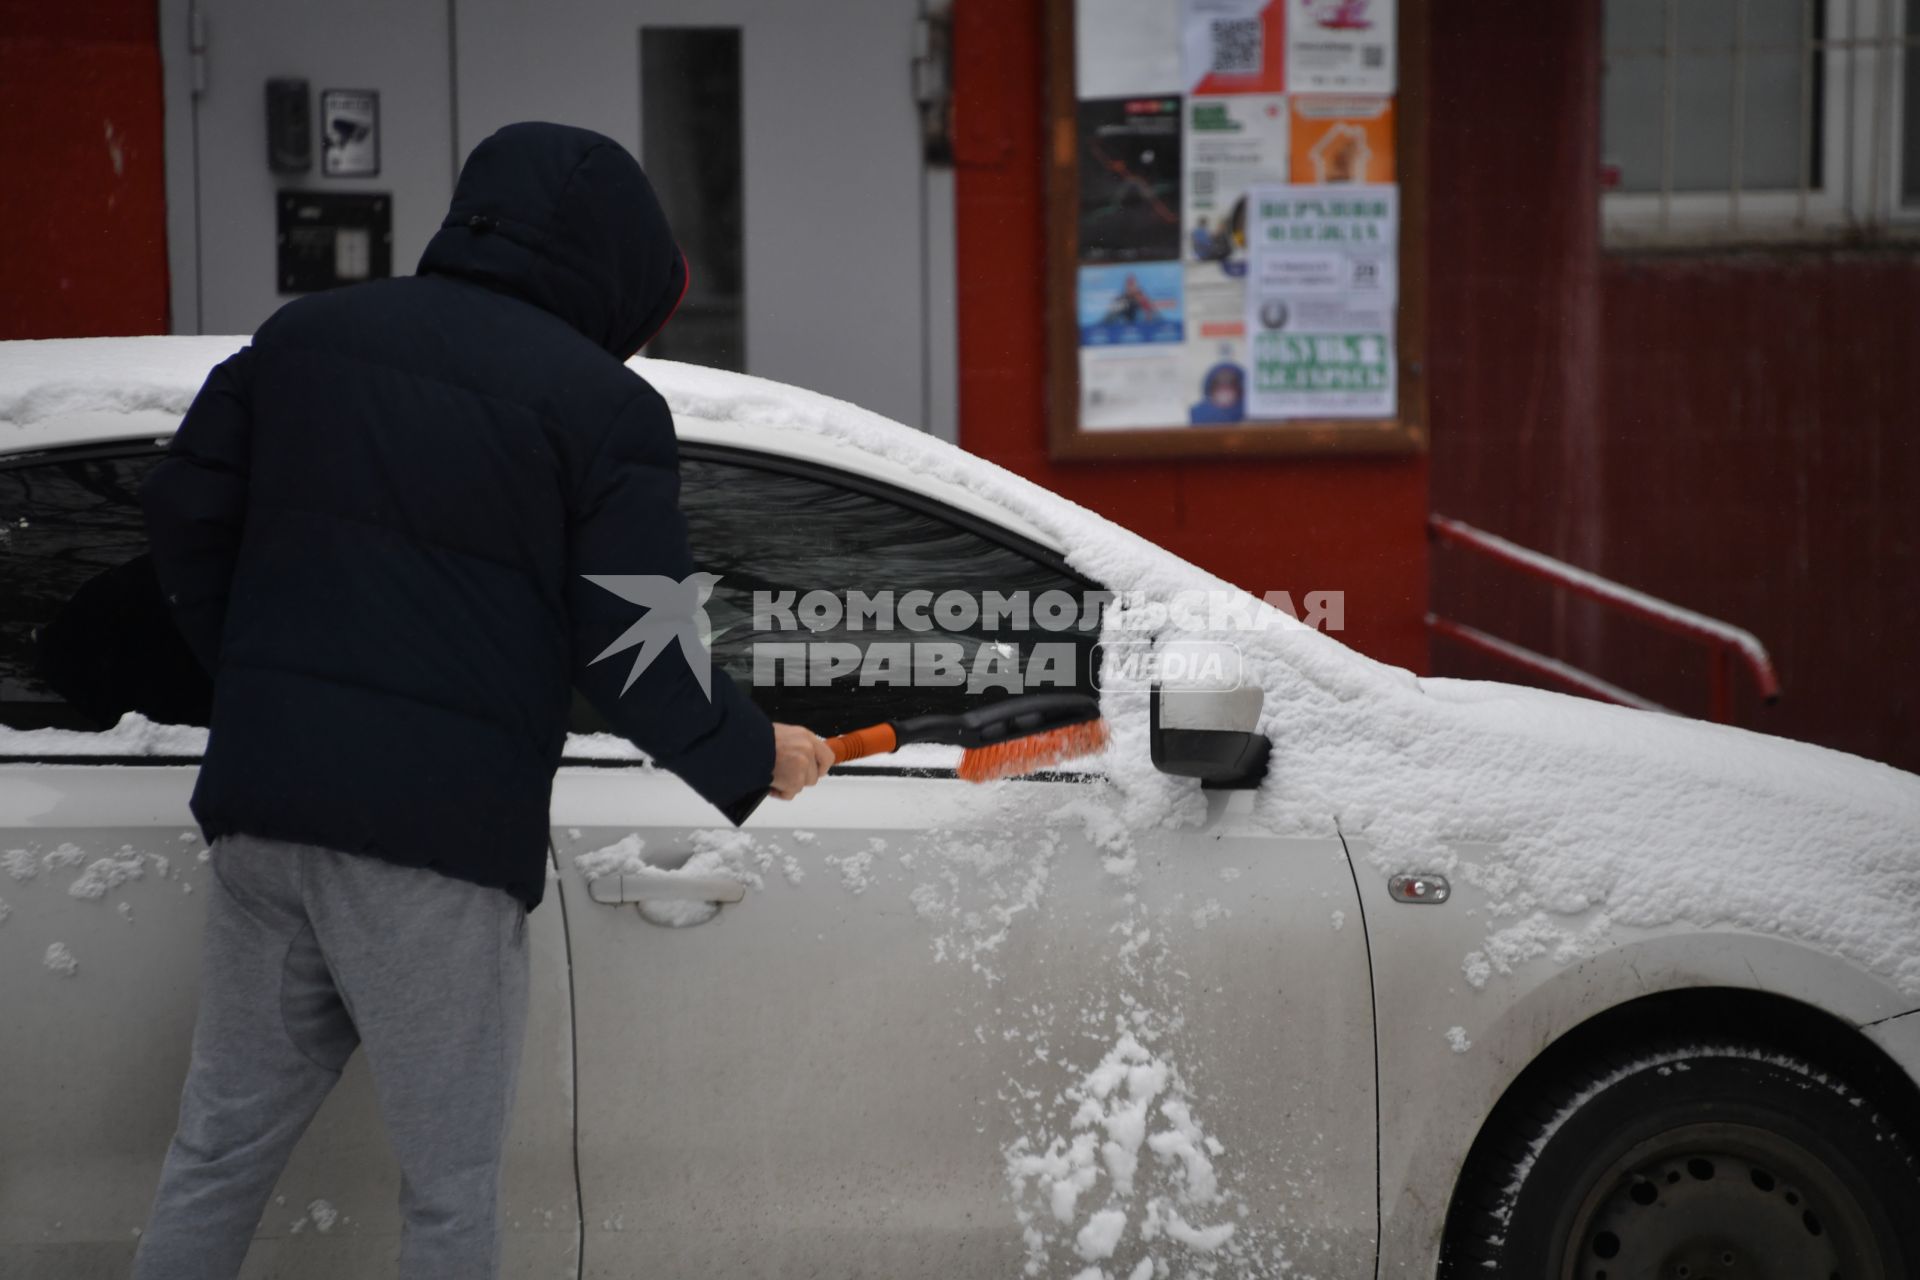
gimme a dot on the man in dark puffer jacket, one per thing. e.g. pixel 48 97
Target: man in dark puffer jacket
pixel 375 528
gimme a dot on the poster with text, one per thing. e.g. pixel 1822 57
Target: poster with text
pixel 1131 304
pixel 1216 385
pixel 1321 294
pixel 1232 143
pixel 1342 140
pixel 1129 205
pixel 1132 387
pixel 1340 46
pixel 1235 46
pixel 1126 48
pixel 1215 304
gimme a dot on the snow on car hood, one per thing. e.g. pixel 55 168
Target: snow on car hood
pixel 1584 816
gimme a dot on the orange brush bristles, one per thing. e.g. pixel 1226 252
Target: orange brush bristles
pixel 1032 753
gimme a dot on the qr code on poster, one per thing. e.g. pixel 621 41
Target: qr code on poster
pixel 1373 56
pixel 1236 46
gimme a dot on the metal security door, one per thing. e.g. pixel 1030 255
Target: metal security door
pixel 832 237
pixel 222 193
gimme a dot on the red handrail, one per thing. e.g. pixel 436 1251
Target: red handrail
pixel 1722 640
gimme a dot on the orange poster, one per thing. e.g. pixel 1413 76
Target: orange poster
pixel 1342 140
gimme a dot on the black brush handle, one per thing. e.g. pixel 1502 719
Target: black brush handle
pixel 1019 716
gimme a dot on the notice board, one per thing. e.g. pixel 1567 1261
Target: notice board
pixel 1236 212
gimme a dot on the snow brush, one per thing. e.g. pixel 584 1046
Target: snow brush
pixel 1016 735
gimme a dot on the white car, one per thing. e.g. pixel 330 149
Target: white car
pixel 1470 980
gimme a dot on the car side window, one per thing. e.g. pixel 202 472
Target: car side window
pixel 840 604
pixel 84 632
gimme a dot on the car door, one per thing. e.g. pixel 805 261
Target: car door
pixel 945 1030
pixel 102 885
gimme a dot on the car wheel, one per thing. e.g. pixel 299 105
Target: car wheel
pixel 1713 1161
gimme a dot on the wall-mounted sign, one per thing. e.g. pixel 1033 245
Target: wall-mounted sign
pixel 1341 46
pixel 349 133
pixel 1321 292
pixel 331 238
pixel 1338 139
pixel 289 126
pixel 1228 256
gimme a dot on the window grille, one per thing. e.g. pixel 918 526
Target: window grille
pixel 1726 121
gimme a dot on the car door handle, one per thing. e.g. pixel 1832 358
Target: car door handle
pixel 663 886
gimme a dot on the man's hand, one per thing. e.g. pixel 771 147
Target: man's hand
pixel 800 759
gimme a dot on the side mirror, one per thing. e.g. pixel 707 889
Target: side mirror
pixel 1209 735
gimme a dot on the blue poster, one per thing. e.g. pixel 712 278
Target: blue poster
pixel 1133 302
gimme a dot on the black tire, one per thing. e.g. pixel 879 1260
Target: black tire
pixel 1690 1161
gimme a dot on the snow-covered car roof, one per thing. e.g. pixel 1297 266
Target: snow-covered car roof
pixel 95 390
pixel 1579 817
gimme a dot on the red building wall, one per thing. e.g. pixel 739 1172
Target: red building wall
pixel 83 247
pixel 1352 525
pixel 1763 454
pixel 1737 432
pixel 1515 307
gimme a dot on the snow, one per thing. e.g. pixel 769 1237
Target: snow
pixel 1102 1232
pixel 320 1213
pixel 717 853
pixel 1207 913
pixel 856 869
pixel 1589 813
pixel 623 856
pixel 60 959
pixel 63 855
pixel 135 735
pixel 1133 1147
pixel 41 379
pixel 1457 1039
pixel 1204 1239
pixel 108 873
pixel 980 884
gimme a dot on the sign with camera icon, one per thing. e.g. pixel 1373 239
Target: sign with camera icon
pixel 349 133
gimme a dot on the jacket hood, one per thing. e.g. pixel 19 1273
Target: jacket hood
pixel 564 218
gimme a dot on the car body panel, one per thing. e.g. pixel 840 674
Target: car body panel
pixel 96 1059
pixel 830 1076
pixel 1434 1098
pixel 153 427
pixel 1899 1038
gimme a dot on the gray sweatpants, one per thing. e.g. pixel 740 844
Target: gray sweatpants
pixel 308 953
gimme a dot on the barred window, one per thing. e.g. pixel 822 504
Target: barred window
pixel 1726 121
